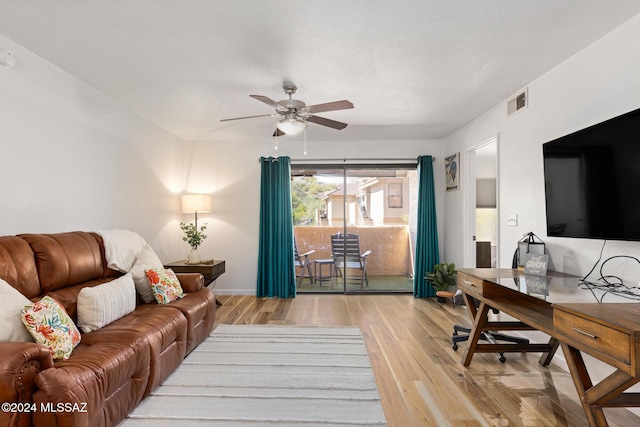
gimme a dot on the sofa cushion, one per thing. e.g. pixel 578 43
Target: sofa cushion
pixel 18 266
pixel 11 304
pixel 100 305
pixel 200 310
pixel 146 260
pixel 50 325
pixel 68 296
pixel 164 330
pixel 65 259
pixel 108 371
pixel 164 284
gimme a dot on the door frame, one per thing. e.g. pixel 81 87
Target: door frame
pixel 470 201
pixel 344 166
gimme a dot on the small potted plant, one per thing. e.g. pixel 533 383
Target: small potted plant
pixel 442 277
pixel 194 237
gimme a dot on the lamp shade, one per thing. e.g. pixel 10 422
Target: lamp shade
pixel 291 126
pixel 196 203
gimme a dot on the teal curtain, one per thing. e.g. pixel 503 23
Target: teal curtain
pixel 276 271
pixel 427 251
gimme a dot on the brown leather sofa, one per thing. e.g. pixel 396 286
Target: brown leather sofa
pixel 113 368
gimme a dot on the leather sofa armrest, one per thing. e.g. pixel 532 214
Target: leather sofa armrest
pixel 20 362
pixel 191 282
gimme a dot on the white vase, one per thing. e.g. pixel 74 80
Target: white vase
pixel 193 257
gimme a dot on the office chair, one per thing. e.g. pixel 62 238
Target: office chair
pixel 489 336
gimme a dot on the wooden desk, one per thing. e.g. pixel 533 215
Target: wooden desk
pixel 609 332
pixel 210 271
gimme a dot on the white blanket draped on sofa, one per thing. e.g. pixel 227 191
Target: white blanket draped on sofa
pixel 121 247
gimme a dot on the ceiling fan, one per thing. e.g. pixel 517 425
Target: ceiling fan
pixel 295 114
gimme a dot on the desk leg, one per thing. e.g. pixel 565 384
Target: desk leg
pixel 607 393
pixel 582 381
pixel 471 305
pixel 478 324
pixel 545 359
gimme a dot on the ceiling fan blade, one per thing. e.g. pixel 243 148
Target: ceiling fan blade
pixel 267 101
pixel 278 132
pixel 330 106
pixel 326 122
pixel 249 117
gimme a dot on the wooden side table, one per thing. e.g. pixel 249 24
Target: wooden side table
pixel 210 271
pixel 318 277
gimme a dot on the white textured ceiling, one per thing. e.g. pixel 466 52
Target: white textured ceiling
pixel 414 69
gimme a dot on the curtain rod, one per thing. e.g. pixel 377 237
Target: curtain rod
pixel 353 160
pixel 357 160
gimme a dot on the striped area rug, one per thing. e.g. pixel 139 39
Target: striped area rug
pixel 263 375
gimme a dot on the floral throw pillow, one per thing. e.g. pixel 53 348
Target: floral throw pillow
pixel 164 284
pixel 49 324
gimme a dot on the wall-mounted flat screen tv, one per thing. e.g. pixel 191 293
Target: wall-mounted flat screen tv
pixel 592 181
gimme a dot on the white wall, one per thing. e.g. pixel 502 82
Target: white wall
pixel 71 159
pixel 598 83
pixel 231 172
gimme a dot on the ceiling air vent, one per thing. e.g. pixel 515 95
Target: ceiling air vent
pixel 517 102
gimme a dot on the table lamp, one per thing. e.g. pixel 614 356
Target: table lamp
pixel 194 203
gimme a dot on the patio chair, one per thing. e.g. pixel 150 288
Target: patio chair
pixel 345 250
pixel 303 262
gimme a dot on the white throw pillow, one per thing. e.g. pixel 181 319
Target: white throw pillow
pixel 11 303
pixel 100 305
pixel 147 260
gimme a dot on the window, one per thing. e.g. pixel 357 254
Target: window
pixel 374 202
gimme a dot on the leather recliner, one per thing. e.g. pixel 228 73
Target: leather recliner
pixel 113 368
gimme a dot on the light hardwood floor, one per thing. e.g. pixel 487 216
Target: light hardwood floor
pixel 420 378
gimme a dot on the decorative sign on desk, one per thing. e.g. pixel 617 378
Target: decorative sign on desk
pixel 534 285
pixel 536 264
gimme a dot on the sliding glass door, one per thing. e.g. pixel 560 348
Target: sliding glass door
pixel 356 226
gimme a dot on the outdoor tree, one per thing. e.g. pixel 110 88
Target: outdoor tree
pixel 306 195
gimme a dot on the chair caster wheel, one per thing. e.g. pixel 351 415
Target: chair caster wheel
pixel 454 346
pixel 502 359
pixel 455 333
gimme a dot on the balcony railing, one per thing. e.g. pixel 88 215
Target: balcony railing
pixel 390 246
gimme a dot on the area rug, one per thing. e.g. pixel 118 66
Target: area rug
pixel 263 375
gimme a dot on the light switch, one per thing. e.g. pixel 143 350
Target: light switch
pixel 512 220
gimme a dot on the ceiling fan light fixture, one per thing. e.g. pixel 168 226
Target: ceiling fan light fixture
pixel 291 126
